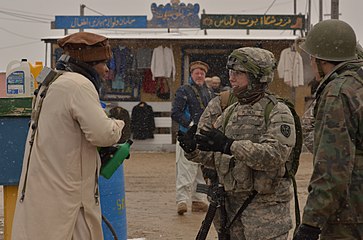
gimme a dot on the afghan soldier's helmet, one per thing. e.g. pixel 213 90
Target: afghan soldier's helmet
pixel 256 61
pixel 331 40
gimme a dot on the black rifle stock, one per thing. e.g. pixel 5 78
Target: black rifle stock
pixel 217 200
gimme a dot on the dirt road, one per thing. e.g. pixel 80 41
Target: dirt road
pixel 150 198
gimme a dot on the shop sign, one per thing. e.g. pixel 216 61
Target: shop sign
pixel 175 15
pixel 76 22
pixel 287 22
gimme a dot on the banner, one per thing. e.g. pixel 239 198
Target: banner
pixel 287 22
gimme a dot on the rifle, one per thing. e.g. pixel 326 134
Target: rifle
pixel 217 194
pixel 217 200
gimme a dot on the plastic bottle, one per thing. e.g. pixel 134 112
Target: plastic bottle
pixel 118 158
pixel 35 70
pixel 19 80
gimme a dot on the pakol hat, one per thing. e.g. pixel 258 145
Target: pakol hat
pixel 200 65
pixel 86 46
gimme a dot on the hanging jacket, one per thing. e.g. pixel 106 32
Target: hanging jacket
pixel 142 121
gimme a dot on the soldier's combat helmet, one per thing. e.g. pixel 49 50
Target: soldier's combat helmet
pixel 259 62
pixel 331 40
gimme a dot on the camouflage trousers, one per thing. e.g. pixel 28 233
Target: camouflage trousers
pixel 342 231
pixel 259 221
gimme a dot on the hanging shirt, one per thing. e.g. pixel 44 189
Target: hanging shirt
pixel 162 63
pixel 143 57
pixel 290 68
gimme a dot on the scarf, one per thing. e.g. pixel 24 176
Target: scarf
pixel 73 65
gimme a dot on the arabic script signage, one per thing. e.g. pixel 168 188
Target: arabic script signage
pixel 288 22
pixel 175 15
pixel 76 22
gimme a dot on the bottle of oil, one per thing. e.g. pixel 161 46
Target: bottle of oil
pixel 19 81
pixel 35 70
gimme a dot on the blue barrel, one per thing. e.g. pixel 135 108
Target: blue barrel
pixel 113 206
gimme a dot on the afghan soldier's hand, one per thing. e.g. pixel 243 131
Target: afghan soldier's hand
pixel 106 153
pixel 214 140
pixel 187 140
pixel 306 232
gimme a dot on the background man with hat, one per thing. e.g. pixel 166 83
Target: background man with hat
pixel 189 104
pixel 58 191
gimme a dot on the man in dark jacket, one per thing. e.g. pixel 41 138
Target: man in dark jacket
pixel 189 104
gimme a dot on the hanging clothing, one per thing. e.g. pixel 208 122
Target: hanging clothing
pixel 124 62
pixel 148 84
pixel 143 57
pixel 142 121
pixel 163 89
pixel 162 63
pixel 290 67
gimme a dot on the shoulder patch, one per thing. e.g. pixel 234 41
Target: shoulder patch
pixel 285 130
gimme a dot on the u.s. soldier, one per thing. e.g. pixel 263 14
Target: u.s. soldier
pixel 248 151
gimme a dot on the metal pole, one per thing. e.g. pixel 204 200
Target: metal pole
pixel 205 30
pixel 308 20
pixel 334 9
pixel 46 54
pixel 295 13
pixel 81 13
pixel 320 10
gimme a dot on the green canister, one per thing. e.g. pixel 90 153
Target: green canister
pixel 116 159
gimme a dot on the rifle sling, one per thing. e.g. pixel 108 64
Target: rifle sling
pixel 242 208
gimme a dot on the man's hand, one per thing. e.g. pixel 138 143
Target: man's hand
pixel 214 140
pixel 187 141
pixel 106 153
pixel 306 232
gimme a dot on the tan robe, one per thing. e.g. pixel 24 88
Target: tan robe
pixel 62 182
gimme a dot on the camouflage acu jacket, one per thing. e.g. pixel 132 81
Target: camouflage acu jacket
pixel 259 153
pixel 335 189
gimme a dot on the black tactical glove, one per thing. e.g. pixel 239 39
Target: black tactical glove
pixel 186 140
pixel 214 140
pixel 306 232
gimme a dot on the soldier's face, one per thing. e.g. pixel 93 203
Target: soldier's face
pixel 102 69
pixel 238 79
pixel 314 67
pixel 198 76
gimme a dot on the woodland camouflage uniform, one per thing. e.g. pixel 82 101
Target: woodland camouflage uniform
pixel 335 200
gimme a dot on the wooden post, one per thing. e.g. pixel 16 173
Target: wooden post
pixel 10 195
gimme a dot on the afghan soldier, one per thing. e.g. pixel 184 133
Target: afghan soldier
pixel 249 151
pixel 334 208
pixel 308 121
